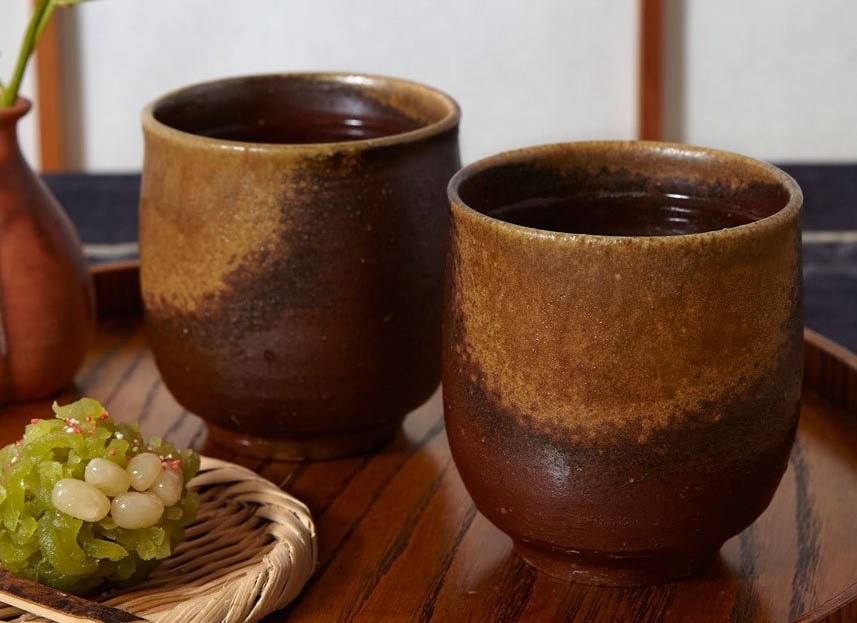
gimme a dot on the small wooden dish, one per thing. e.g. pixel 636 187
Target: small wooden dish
pixel 249 553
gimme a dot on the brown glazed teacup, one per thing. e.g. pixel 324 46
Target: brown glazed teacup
pixel 292 234
pixel 622 352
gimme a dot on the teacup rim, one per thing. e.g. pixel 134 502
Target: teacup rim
pixel 448 121
pixel 790 210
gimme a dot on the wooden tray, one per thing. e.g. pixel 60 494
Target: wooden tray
pixel 400 540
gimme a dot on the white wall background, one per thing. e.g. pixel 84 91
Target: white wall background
pixel 776 79
pixel 523 72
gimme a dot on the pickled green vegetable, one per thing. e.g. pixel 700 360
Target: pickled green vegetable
pixel 42 543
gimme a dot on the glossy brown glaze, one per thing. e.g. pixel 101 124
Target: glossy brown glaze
pixel 47 309
pixel 621 406
pixel 292 291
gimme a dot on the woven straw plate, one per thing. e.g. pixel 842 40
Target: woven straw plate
pixel 249 553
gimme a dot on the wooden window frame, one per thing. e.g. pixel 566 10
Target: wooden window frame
pixel 651 70
pixel 48 108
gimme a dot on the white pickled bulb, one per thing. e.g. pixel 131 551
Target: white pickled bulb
pixel 107 476
pixel 80 499
pixel 144 469
pixel 168 487
pixel 135 510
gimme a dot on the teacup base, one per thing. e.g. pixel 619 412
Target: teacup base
pixel 228 443
pixel 613 570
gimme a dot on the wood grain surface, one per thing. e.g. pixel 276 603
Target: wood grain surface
pixel 400 539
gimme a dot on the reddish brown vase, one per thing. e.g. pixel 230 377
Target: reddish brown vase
pixel 47 309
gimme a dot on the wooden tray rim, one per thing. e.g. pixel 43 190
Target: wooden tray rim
pixel 830 370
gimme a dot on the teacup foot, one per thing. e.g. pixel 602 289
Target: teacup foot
pixel 610 570
pixel 227 443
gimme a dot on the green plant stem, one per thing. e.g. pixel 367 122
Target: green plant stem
pixel 38 21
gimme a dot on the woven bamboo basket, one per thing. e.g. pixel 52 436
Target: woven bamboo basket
pixel 249 553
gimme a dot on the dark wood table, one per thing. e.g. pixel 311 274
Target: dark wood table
pixel 400 540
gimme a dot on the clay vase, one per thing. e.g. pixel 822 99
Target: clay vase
pixel 292 235
pixel 622 351
pixel 47 308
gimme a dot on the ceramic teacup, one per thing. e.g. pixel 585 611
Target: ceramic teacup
pixel 622 351
pixel 292 233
